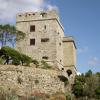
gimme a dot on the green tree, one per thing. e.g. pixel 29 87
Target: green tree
pixel 81 78
pixel 90 86
pixel 9 55
pixel 25 60
pixel 97 92
pixel 9 34
pixel 98 75
pixel 78 89
pixel 88 74
pixel 87 85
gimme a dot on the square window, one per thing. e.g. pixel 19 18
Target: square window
pixel 44 39
pixel 32 28
pixel 32 41
pixel 45 27
pixel 45 57
pixel 59 43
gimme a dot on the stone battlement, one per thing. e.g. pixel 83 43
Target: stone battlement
pixel 29 16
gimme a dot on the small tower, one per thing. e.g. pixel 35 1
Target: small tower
pixel 69 56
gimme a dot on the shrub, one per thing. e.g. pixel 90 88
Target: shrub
pixel 9 54
pixel 14 57
pixel 69 96
pixel 35 62
pixel 97 92
pixel 19 80
pixel 58 96
pixel 45 65
pixel 1 60
pixel 37 95
pixel 78 89
pixel 25 60
pixel 7 95
pixel 16 62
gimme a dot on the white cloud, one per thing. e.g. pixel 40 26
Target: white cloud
pixel 83 50
pixel 9 8
pixel 94 61
pixel 78 73
pixel 50 7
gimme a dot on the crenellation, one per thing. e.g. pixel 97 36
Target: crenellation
pixel 42 15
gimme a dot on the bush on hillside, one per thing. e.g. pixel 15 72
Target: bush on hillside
pixel 69 96
pixel 58 96
pixel 1 60
pixel 5 94
pixel 11 56
pixel 78 89
pixel 16 62
pixel 97 92
pixel 25 60
pixel 87 86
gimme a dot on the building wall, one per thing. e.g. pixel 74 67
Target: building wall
pixel 69 57
pixel 32 80
pixel 59 46
pixel 39 49
pixel 54 31
pixel 69 51
pixel 60 49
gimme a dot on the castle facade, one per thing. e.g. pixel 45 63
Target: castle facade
pixel 45 40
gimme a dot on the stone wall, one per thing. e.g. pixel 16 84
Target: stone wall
pixel 69 52
pixel 38 50
pixel 54 32
pixel 27 80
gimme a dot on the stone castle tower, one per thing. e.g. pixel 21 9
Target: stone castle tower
pixel 45 40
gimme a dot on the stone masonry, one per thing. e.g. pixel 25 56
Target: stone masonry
pixel 28 80
pixel 45 40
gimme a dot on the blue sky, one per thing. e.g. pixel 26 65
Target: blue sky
pixel 80 19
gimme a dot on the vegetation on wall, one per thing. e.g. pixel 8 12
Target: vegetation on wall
pixel 45 65
pixel 6 94
pixel 36 63
pixel 11 56
pixel 58 96
pixel 19 80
